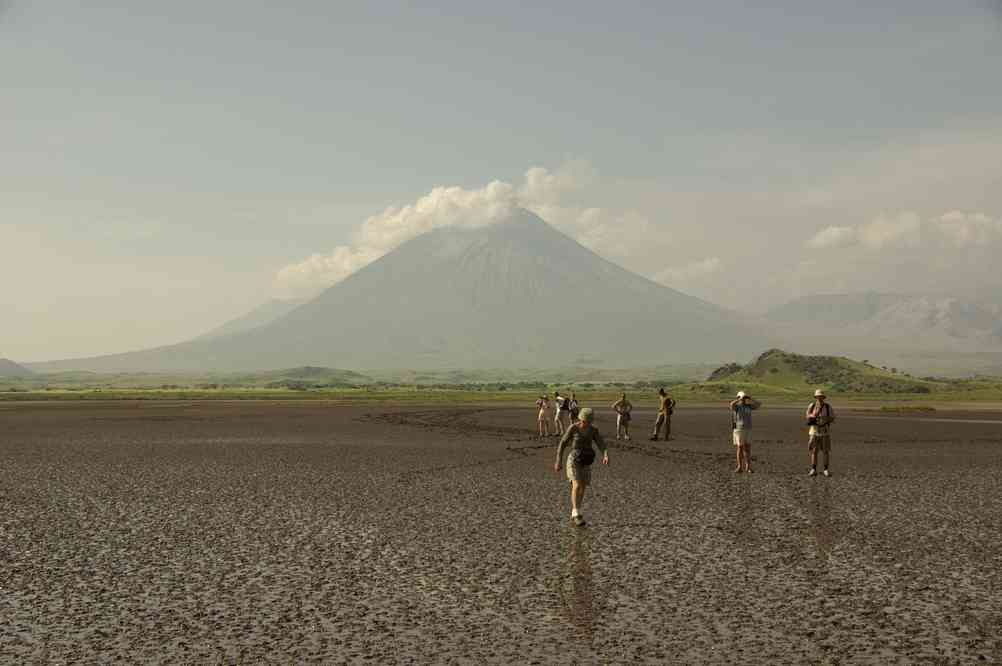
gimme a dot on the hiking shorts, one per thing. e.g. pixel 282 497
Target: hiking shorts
pixel 820 442
pixel 742 437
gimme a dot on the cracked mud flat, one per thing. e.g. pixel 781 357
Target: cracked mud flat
pixel 290 533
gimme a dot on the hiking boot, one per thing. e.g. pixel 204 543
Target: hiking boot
pixel 654 438
pixel 579 521
pixel 812 472
pixel 827 473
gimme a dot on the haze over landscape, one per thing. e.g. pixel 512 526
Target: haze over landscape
pixel 168 172
pixel 313 314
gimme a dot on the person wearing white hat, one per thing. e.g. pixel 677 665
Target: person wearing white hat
pixel 820 416
pixel 741 425
pixel 580 437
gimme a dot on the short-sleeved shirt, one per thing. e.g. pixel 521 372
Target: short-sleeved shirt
pixel 743 416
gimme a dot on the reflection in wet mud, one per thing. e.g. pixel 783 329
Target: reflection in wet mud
pixel 576 585
pixel 820 507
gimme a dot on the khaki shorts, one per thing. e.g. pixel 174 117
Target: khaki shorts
pixel 820 442
pixel 742 437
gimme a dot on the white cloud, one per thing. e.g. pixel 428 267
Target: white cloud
pixel 691 272
pixel 908 230
pixel 553 195
pixel 834 236
pixel 969 229
pixel 442 207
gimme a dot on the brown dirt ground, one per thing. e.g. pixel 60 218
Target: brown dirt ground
pixel 260 532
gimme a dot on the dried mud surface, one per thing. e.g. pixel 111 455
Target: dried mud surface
pixel 291 533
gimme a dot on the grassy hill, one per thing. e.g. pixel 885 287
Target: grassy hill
pixel 780 372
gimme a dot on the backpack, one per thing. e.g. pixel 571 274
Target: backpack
pixel 584 456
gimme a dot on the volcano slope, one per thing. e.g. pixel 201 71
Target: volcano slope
pixel 312 533
pixel 515 293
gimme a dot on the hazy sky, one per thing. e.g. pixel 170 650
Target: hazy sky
pixel 166 166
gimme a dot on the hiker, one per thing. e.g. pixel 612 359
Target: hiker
pixel 666 407
pixel 819 419
pixel 623 407
pixel 581 437
pixel 562 415
pixel 741 424
pixel 574 407
pixel 543 404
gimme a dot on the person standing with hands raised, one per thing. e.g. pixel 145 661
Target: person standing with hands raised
pixel 820 416
pixel 741 425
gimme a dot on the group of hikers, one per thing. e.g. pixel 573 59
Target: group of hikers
pixel 563 411
pixel 577 432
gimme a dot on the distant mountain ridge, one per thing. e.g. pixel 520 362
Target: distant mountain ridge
pixel 9 368
pixel 908 321
pixel 515 293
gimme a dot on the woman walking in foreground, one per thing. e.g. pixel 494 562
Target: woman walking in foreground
pixel 580 436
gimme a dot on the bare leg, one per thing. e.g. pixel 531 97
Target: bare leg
pixel 580 486
pixel 737 452
pixel 667 428
pixel 657 427
pixel 747 453
pixel 574 498
pixel 825 452
pixel 813 448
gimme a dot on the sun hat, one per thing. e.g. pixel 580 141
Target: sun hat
pixel 818 393
pixel 742 394
pixel 586 414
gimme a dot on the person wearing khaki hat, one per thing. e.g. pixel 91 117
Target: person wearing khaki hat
pixel 820 417
pixel 741 424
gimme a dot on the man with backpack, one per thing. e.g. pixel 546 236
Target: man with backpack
pixel 819 419
pixel 666 407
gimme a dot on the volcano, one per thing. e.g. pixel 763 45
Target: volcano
pixel 515 293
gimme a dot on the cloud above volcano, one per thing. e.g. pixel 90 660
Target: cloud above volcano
pixel 553 195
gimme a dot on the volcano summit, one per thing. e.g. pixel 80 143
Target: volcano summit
pixel 515 293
